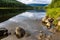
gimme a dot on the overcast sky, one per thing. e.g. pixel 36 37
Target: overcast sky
pixel 35 1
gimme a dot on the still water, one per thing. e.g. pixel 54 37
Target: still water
pixel 28 20
pixel 30 14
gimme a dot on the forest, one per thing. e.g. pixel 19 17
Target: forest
pixel 10 8
pixel 13 4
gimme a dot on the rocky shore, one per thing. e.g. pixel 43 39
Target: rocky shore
pixel 52 27
pixel 35 29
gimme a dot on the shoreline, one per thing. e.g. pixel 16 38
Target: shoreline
pixel 34 33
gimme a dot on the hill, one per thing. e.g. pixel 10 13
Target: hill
pixel 37 4
pixel 10 8
pixel 12 4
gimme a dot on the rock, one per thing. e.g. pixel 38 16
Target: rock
pixel 50 20
pixel 48 25
pixel 41 31
pixel 3 31
pixel 52 30
pixel 40 35
pixel 19 32
pixel 58 23
pixel 48 37
pixel 44 20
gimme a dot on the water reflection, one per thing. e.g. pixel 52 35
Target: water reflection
pixel 29 14
pixel 27 20
pixel 5 14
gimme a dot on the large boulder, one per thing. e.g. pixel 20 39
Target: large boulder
pixel 3 33
pixel 20 32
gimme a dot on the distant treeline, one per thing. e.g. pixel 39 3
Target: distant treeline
pixel 13 4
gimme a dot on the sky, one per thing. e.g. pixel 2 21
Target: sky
pixel 35 1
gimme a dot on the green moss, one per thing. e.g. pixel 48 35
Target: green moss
pixel 53 12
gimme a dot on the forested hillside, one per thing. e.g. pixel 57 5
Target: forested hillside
pixel 10 8
pixel 10 4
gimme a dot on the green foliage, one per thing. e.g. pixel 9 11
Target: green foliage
pixel 54 4
pixel 53 13
pixel 53 10
pixel 13 4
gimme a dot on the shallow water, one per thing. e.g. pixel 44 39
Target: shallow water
pixel 29 21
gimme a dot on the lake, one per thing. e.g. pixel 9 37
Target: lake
pixel 29 20
pixel 29 14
